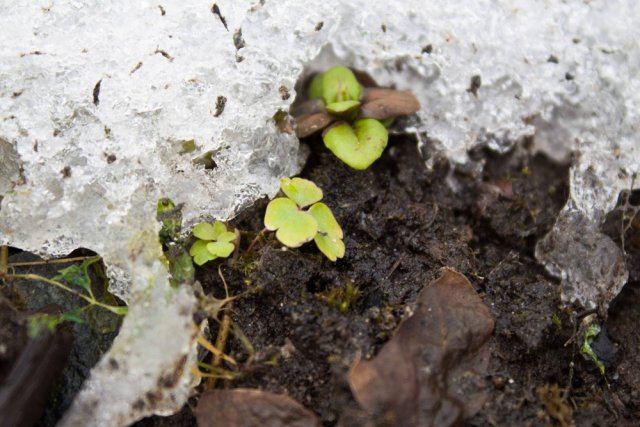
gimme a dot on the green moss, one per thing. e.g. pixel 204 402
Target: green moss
pixel 341 298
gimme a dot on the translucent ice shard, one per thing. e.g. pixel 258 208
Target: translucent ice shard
pixel 99 103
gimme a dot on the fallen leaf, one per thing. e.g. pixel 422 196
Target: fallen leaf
pixel 311 123
pixel 251 408
pixel 431 373
pixel 379 103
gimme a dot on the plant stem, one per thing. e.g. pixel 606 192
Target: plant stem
pixel 223 334
pixel 206 344
pixel 221 342
pixel 90 299
pixel 4 259
pixel 255 240
pixel 50 261
pixel 39 278
pixel 198 373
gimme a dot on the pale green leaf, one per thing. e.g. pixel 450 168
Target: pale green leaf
pixel 294 227
pixel 343 108
pixel 278 212
pixel 315 90
pixel 358 146
pixel 204 231
pixel 327 223
pixel 218 229
pixel 200 253
pixel 332 247
pixel 220 249
pixel 227 237
pixel 340 84
pixel 301 229
pixel 329 237
pixel 302 191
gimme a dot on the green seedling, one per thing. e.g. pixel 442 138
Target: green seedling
pixel 214 241
pixel 589 329
pixel 295 226
pixel 357 118
pixel 358 145
pixel 170 216
pixel 329 236
pixel 337 84
pixel 179 261
pixel 75 280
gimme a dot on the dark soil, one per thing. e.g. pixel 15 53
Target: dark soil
pixel 402 223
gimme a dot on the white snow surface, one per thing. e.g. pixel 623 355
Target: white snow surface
pixel 97 97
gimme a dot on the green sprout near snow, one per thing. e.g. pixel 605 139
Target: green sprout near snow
pixel 338 88
pixel 75 280
pixel 358 145
pixel 590 333
pixel 355 119
pixel 214 241
pixel 295 226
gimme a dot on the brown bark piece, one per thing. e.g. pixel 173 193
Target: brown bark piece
pixel 378 103
pixel 431 373
pixel 251 408
pixel 309 124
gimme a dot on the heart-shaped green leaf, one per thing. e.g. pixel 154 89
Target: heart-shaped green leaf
pixel 295 227
pixel 200 253
pixel 331 248
pixel 226 237
pixel 327 223
pixel 300 190
pixel 343 108
pixel 206 231
pixel 329 237
pixel 215 241
pixel 340 84
pixel 220 249
pixel 358 146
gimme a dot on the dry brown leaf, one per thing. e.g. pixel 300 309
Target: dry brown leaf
pixel 431 373
pixel 309 124
pixel 251 408
pixel 380 103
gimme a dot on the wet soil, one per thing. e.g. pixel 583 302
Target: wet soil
pixel 402 223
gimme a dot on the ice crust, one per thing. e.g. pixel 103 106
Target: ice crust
pixel 96 99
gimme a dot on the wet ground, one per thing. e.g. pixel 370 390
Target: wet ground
pixel 402 223
pixel 304 320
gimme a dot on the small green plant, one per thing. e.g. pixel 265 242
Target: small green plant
pixel 174 247
pixel 295 226
pixel 76 281
pixel 214 241
pixel 589 330
pixel 354 118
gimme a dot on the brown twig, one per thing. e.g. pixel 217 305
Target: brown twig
pixel 255 240
pixel 223 335
pixel 4 259
pixel 50 261
pixel 221 342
